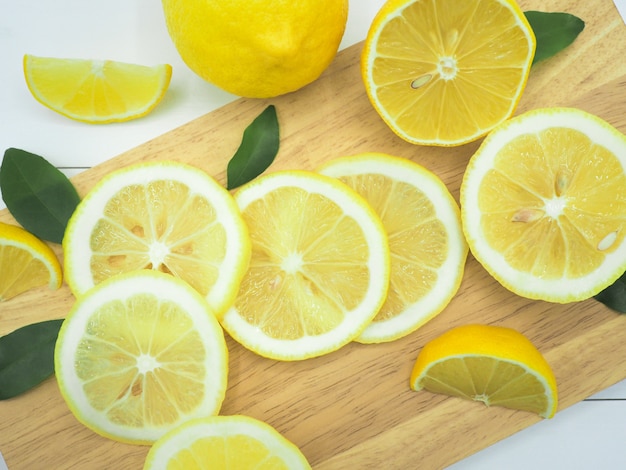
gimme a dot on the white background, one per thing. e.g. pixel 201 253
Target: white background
pixel 591 434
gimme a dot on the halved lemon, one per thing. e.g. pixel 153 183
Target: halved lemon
pixel 444 72
pixel 543 204
pixel 227 443
pixel 495 365
pixel 164 216
pixel 26 262
pixel 423 225
pixel 140 354
pixel 96 91
pixel 319 270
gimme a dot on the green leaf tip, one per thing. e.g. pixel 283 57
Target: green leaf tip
pixel 37 194
pixel 614 296
pixel 554 31
pixel 258 148
pixel 27 357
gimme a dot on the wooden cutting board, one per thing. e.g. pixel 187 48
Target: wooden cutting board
pixel 353 408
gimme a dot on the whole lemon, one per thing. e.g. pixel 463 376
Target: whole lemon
pixel 257 48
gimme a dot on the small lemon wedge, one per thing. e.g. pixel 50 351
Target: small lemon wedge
pixel 96 91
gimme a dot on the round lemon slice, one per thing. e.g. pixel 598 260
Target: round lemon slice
pixel 544 204
pixel 164 216
pixel 227 443
pixel 319 270
pixel 140 354
pixel 427 245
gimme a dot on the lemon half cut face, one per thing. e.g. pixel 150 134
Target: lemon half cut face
pixel 444 72
pixel 544 204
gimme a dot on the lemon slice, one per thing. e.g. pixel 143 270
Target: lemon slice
pixel 423 225
pixel 96 91
pixel 140 354
pixel 443 72
pixel 25 262
pixel 164 216
pixel 492 364
pixel 227 443
pixel 319 269
pixel 544 204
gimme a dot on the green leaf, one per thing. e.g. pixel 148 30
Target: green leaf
pixel 614 296
pixel 554 31
pixel 39 196
pixel 27 357
pixel 257 150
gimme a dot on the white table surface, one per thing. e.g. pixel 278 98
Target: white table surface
pixel 591 434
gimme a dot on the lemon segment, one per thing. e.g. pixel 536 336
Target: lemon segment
pixel 163 216
pixel 96 91
pixel 319 269
pixel 443 73
pixel 423 225
pixel 26 263
pixel 257 49
pixel 544 204
pixel 138 355
pixel 492 364
pixel 226 442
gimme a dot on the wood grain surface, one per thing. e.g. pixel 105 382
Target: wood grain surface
pixel 353 408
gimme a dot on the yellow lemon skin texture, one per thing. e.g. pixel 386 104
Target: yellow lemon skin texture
pixel 257 48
